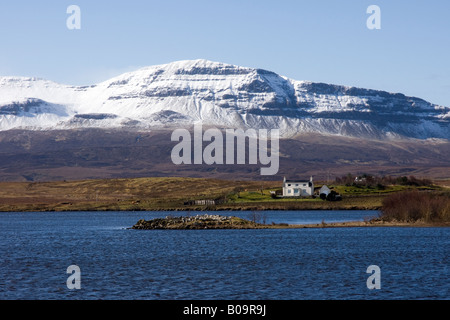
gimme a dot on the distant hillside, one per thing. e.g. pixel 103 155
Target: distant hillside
pixel 96 154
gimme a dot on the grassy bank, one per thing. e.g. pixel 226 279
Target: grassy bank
pixel 179 194
pixel 413 206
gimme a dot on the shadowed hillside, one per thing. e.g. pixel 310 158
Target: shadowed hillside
pixel 97 154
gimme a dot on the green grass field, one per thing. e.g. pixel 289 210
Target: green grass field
pixel 173 193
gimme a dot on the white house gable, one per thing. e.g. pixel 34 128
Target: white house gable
pixel 298 188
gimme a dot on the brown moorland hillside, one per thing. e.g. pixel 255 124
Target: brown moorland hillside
pixel 98 154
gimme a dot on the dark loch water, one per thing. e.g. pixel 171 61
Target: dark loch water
pixel 302 264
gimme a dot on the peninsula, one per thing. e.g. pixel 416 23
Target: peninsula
pixel 197 222
pixel 206 221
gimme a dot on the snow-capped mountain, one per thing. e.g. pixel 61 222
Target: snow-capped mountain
pixel 186 92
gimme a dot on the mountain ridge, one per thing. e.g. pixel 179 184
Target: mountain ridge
pixel 182 93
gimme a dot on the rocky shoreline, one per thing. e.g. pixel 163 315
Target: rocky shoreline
pixel 207 221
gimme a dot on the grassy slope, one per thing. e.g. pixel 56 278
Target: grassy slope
pixel 170 194
pixel 115 194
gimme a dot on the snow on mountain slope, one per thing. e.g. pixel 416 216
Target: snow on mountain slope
pixel 185 92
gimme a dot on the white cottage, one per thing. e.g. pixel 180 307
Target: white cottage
pixel 298 188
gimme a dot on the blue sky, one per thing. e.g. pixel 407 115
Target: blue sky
pixel 321 40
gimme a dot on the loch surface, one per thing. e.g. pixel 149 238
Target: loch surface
pixel 275 264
